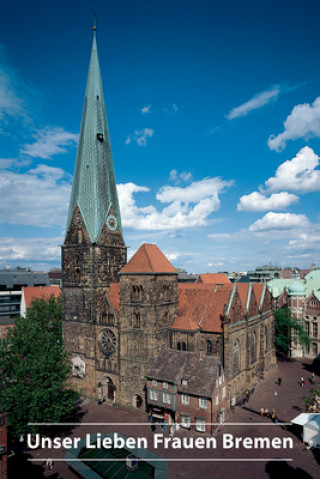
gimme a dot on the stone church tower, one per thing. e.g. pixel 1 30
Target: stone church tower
pixel 94 250
pixel 148 305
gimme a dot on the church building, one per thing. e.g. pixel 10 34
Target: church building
pixel 120 318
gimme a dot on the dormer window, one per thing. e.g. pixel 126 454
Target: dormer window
pixel 184 382
pixel 100 137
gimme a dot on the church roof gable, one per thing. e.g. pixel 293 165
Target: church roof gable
pixel 148 259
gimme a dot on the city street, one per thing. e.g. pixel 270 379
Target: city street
pixel 219 462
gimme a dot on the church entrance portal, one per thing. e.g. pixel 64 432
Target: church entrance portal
pixel 108 389
pixel 137 401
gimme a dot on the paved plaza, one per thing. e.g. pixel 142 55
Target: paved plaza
pixel 219 462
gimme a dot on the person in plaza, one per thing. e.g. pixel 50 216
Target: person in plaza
pixel 50 464
pixel 267 413
pixel 279 381
pixel 261 411
pixel 164 426
pixel 313 379
pixel 302 381
pixel 273 415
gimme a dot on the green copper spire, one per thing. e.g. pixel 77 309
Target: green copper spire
pixel 94 186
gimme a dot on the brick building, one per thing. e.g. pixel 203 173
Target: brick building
pixel 118 316
pixel 188 388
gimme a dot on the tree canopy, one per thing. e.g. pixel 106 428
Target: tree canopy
pixel 288 328
pixel 34 369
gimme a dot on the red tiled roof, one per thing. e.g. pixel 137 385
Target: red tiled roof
pixel 33 292
pixel 258 290
pixel 114 297
pixel 201 307
pixel 243 289
pixel 148 259
pixel 213 278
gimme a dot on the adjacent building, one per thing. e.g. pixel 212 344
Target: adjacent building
pixel 302 297
pixel 12 282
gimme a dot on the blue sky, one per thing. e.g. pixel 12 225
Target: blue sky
pixel 214 119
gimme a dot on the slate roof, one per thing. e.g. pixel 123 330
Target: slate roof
pixel 148 259
pixel 39 292
pixel 12 278
pixel 201 306
pixel 277 286
pixel 213 278
pixel 200 372
pixel 168 365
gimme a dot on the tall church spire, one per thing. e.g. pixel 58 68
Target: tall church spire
pixel 94 186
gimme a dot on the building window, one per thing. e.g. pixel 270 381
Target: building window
pixel 178 346
pixel 217 400
pixel 209 347
pixel 136 320
pixel 223 393
pixel 236 356
pixel 154 383
pixel 253 348
pixel 154 395
pixel 203 403
pixel 185 420
pixel 166 398
pixel 184 382
pixel 165 386
pixel 200 424
pixel 314 349
pixel 184 347
pixel 315 330
pixel 185 399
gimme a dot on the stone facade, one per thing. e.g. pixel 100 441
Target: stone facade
pixel 88 270
pixel 148 304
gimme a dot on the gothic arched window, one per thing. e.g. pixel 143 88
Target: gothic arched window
pixel 253 348
pixel 236 358
pixel 184 347
pixel 136 319
pixel 178 346
pixel 209 347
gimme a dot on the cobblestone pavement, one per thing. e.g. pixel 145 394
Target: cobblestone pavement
pixel 219 462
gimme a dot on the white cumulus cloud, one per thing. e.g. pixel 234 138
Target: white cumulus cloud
pixel 258 101
pixel 187 207
pixel 258 202
pixel 140 136
pixel 49 142
pixel 299 174
pixel 303 122
pixel 30 249
pixel 279 221
pixel 38 197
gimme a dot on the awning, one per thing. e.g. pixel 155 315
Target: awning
pixel 301 420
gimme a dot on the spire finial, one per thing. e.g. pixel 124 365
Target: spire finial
pixel 94 21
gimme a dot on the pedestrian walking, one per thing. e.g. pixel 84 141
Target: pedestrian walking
pixel 267 413
pixel 302 381
pixel 313 379
pixel 279 381
pixel 273 415
pixel 50 464
pixel 261 411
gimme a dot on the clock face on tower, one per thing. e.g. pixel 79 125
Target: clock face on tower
pixel 112 223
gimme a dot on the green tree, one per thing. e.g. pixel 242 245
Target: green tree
pixel 34 369
pixel 287 328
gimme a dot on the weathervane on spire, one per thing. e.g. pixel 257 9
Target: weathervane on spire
pixel 94 21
